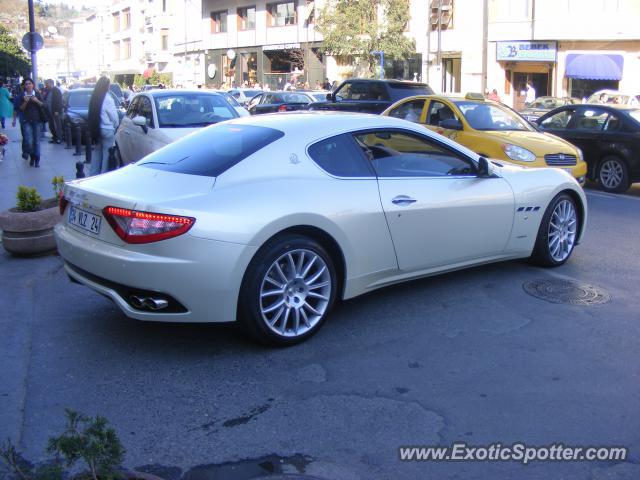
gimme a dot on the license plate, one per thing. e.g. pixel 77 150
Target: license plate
pixel 85 220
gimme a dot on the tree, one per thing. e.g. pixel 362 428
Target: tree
pixel 13 60
pixel 360 27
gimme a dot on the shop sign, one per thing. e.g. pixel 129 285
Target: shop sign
pixel 527 51
pixel 281 46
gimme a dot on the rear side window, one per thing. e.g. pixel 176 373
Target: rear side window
pixel 211 151
pixel 339 156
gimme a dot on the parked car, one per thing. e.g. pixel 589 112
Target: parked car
pixel 271 219
pixel 369 96
pixel 277 101
pixel 244 95
pixel 158 117
pixel 613 97
pixel 75 109
pixel 492 130
pixel 242 111
pixel 542 105
pixel 609 137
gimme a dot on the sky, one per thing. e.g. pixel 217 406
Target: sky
pixel 78 3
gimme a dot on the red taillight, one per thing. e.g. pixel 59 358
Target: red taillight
pixel 282 108
pixel 62 203
pixel 133 226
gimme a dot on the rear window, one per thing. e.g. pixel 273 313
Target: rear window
pixel 79 99
pixel 408 89
pixel 211 151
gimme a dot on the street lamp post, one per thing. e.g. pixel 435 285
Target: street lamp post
pixel 32 31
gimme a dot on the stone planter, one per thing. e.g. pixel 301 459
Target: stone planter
pixel 30 233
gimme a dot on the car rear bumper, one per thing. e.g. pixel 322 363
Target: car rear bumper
pixel 198 282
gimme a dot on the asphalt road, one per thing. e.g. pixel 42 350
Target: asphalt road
pixel 467 356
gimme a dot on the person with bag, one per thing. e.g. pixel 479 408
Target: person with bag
pixel 31 104
pixel 103 121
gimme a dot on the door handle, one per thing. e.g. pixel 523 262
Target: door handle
pixel 403 200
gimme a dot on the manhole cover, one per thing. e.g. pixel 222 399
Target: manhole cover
pixel 566 291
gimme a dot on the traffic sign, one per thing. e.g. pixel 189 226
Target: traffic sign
pixel 32 41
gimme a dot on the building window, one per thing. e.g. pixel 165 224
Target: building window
pixel 126 48
pixel 116 51
pixel 116 22
pixel 219 22
pixel 164 39
pixel 446 14
pixel 281 14
pixel 247 18
pixel 126 19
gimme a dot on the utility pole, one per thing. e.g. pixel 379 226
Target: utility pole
pixel 32 31
pixel 439 57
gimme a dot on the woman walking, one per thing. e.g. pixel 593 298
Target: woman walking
pixel 30 104
pixel 103 122
pixel 6 107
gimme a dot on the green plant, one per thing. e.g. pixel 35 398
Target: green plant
pixel 23 470
pixel 91 440
pixel 28 199
pixel 58 185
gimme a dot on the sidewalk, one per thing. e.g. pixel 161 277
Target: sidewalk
pixel 14 171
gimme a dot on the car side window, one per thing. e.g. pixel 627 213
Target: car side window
pixel 400 154
pixel 613 123
pixel 438 112
pixel 258 99
pixel 377 91
pixel 589 119
pixel 146 111
pixel 340 156
pixel 133 108
pixel 345 92
pixel 411 110
pixel 558 121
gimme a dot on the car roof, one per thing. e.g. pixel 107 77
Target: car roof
pixel 175 92
pixel 309 124
pixel 385 80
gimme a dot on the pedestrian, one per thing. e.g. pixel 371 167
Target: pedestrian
pixel 31 104
pixel 19 114
pixel 6 107
pixel 530 94
pixel 103 121
pixel 494 96
pixel 327 84
pixel 43 93
pixel 54 110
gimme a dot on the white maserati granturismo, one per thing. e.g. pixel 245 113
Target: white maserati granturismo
pixel 271 219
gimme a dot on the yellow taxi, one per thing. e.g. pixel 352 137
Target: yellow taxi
pixel 491 130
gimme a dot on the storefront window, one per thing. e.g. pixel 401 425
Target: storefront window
pixel 582 88
pixel 249 68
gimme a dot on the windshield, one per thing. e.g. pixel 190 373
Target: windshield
pixel 484 116
pixel 319 97
pixel 635 114
pixel 192 110
pixel 211 151
pixel 79 99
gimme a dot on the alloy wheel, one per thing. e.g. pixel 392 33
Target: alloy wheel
pixel 295 293
pixel 611 174
pixel 562 230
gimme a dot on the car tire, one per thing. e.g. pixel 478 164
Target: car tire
pixel 558 232
pixel 613 174
pixel 288 291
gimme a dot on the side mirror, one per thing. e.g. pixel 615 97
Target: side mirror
pixel 451 124
pixel 140 121
pixel 485 168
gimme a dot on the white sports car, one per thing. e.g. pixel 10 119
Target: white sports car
pixel 271 219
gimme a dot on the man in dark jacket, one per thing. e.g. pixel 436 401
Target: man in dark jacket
pixel 54 110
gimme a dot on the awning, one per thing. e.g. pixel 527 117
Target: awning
pixel 594 66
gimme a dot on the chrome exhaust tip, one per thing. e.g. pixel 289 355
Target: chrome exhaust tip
pixel 148 303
